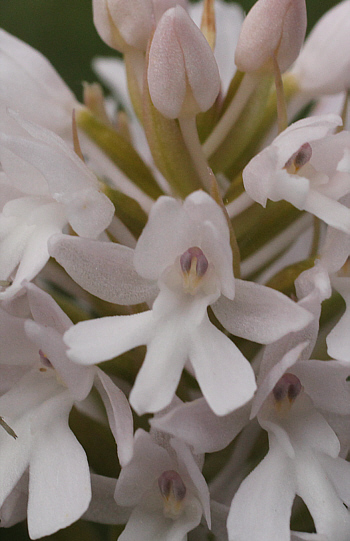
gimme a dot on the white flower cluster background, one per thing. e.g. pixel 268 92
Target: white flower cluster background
pixel 174 279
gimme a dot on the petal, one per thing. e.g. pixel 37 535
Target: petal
pixel 267 494
pixel 197 425
pixel 149 525
pixel 327 510
pixel 167 352
pixel 224 375
pixel 259 313
pixel 98 340
pixel 119 416
pixel 104 269
pixel 59 477
pixel 325 383
pixel 45 310
pixel 16 348
pixel 102 508
pixel 332 212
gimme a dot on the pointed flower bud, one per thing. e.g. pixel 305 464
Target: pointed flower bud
pixel 271 28
pixel 323 66
pixel 124 24
pixel 183 76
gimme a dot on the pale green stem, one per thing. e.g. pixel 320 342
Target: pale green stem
pixel 223 127
pixel 316 237
pixel 257 261
pixel 282 117
pixel 190 136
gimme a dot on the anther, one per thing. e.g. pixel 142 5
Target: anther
pixel 288 386
pixel 173 492
pixel 194 257
pixel 299 158
pixel 44 360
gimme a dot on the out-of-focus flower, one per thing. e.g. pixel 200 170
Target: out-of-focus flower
pixel 323 66
pixel 37 405
pixel 47 186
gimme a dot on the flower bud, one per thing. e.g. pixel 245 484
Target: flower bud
pixel 183 76
pixel 161 6
pixel 124 24
pixel 323 66
pixel 271 28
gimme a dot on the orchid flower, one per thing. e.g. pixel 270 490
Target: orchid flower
pixel 47 187
pixel 191 269
pixel 37 405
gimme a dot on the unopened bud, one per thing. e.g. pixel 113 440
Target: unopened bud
pixel 272 28
pixel 124 24
pixel 183 76
pixel 161 6
pixel 323 66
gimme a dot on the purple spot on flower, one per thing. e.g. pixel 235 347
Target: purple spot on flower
pixel 287 386
pixel 201 261
pixel 171 486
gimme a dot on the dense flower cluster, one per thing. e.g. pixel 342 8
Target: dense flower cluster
pixel 192 233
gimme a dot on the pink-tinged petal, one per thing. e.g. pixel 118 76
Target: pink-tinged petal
pixel 45 310
pixel 272 377
pixel 261 508
pixel 104 269
pixel 103 508
pixel 325 383
pixel 197 425
pixel 119 416
pixel 149 461
pixel 151 258
pixel 77 379
pixel 59 477
pixel 149 523
pixel 186 460
pixel 98 340
pixel 330 516
pixel 224 375
pixel 167 352
pixel 332 212
pixel 30 82
pixel 16 348
pixel 259 313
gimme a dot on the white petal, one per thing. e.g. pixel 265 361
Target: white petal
pixel 315 488
pixel 197 425
pixel 59 477
pixel 16 348
pixel 266 495
pixel 259 313
pixel 224 375
pixel 45 310
pixel 167 352
pixel 119 416
pixel 104 269
pixel 98 340
pixel 102 508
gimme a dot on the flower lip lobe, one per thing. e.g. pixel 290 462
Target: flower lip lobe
pixel 288 386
